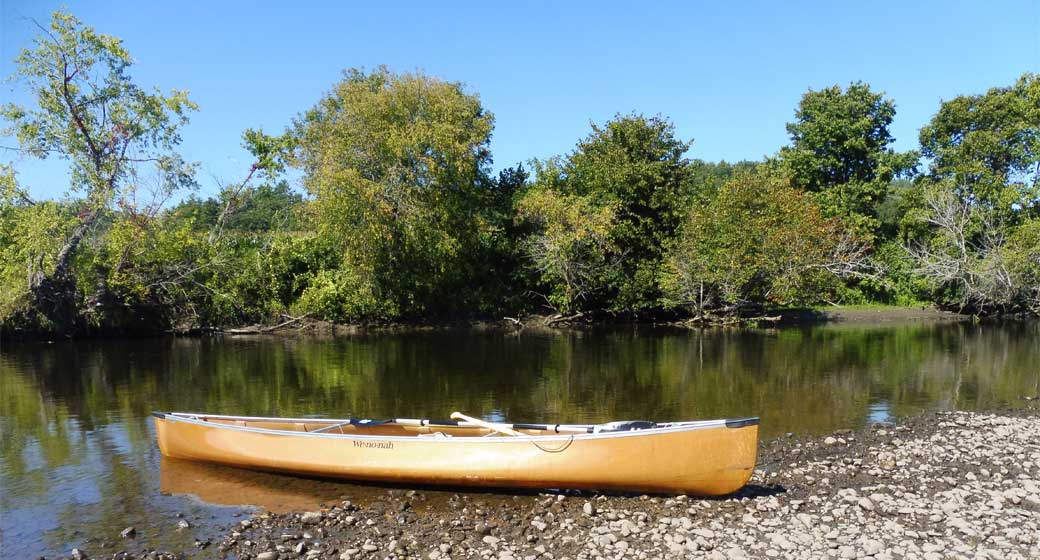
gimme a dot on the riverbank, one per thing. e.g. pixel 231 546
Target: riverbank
pixel 939 485
pixel 860 315
pixel 302 325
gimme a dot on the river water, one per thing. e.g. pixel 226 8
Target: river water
pixel 78 460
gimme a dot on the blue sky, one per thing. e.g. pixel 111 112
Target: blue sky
pixel 728 74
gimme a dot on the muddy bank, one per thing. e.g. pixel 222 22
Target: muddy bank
pixel 535 323
pixel 941 485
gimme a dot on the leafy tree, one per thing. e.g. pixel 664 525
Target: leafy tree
pixel 759 241
pixel 840 152
pixel 570 246
pixel 397 165
pixel 112 132
pixel 636 165
pixel 988 145
pixel 502 279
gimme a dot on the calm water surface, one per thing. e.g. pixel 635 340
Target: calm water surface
pixel 78 460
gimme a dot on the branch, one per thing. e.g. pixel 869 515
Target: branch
pixel 229 207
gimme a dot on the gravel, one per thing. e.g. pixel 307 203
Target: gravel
pixel 943 485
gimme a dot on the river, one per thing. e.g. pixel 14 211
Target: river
pixel 78 460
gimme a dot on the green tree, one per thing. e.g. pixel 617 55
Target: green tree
pixel 111 131
pixel 840 152
pixel 636 165
pixel 988 145
pixel 397 165
pixel 759 241
pixel 570 244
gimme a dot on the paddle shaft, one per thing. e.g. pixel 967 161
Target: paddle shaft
pixel 502 429
pixel 558 428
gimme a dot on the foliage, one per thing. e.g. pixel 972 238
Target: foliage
pixel 30 236
pixel 636 165
pixel 115 135
pixel 973 258
pixel 988 145
pixel 758 241
pixel 400 216
pixel 265 207
pixel 398 165
pixel 570 245
pixel 1023 256
pixel 840 151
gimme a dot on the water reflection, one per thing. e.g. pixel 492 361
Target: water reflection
pixel 79 461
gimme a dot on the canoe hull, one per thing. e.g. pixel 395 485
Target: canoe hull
pixel 704 461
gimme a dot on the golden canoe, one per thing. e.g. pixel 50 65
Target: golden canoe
pixel 712 457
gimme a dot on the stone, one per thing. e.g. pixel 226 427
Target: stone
pixel 127 533
pixel 269 555
pixel 489 540
pixel 872 547
pixel 310 517
pixel 589 509
pixel 183 524
pixel 830 441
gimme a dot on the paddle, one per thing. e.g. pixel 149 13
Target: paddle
pixel 493 427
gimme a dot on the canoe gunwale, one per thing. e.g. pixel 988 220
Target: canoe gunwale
pixel 673 427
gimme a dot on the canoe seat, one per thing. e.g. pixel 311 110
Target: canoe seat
pixel 435 435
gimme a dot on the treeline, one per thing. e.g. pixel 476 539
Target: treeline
pixel 402 218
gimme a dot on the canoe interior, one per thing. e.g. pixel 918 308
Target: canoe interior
pixel 337 427
pixel 423 428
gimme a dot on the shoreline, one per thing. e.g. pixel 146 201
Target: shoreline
pixel 802 317
pixel 936 485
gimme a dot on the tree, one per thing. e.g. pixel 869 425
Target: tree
pixel 398 166
pixel 840 152
pixel 973 259
pixel 570 244
pixel 759 241
pixel 988 146
pixel 31 233
pixel 1023 254
pixel 636 165
pixel 267 207
pixel 111 131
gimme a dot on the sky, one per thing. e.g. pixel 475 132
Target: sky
pixel 729 75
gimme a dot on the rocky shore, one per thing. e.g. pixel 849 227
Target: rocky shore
pixel 941 485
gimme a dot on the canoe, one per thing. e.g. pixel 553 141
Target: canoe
pixel 708 457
